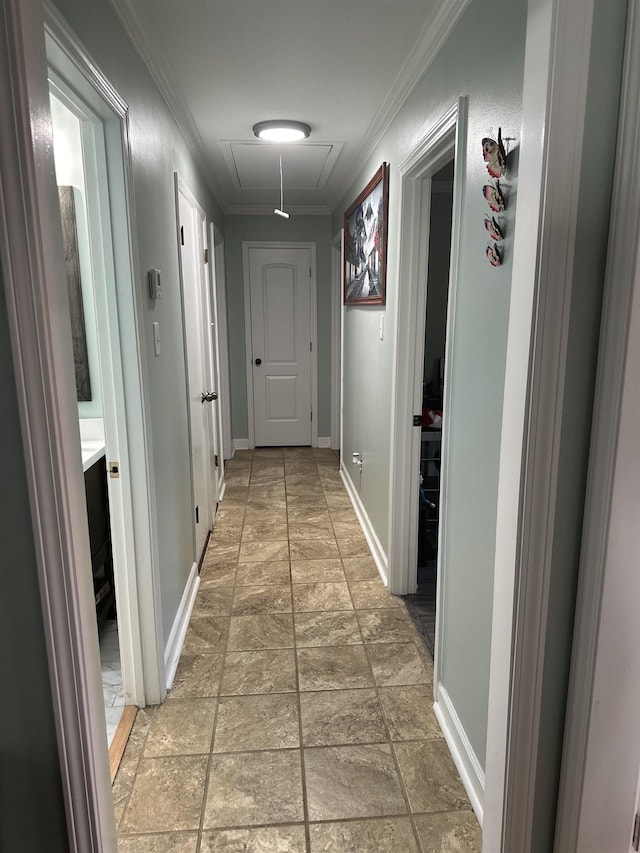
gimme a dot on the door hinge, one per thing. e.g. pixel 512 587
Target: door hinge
pixel 417 420
pixel 197 515
pixel 206 256
pixel 310 346
pixel 215 460
pixel 309 272
pixel 114 470
pixel 635 841
pixel 311 415
pixel 182 234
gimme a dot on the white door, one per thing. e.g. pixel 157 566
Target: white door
pixel 194 304
pixel 280 295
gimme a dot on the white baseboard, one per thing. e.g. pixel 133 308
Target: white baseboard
pixel 377 551
pixel 175 642
pixel 240 444
pixel 465 759
pixel 325 441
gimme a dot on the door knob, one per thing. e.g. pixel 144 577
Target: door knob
pixel 210 397
pixel 257 361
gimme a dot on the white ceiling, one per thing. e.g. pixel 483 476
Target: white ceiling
pixel 342 66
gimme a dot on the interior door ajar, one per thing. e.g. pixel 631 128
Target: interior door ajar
pixel 193 290
pixel 280 293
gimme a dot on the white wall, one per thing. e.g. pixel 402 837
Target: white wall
pixel 485 62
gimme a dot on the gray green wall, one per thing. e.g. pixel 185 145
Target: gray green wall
pixel 303 229
pixel 486 64
pixel 158 149
pixel 32 813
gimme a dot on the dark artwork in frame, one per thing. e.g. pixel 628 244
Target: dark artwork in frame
pixel 365 243
pixel 66 196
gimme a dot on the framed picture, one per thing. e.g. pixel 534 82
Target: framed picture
pixel 365 243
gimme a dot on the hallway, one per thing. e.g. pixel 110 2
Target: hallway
pixel 300 717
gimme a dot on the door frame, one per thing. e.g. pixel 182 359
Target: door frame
pixel 219 302
pixel 604 668
pixel 264 244
pixel 135 550
pixel 37 304
pixel 445 140
pixel 337 269
pixel 182 189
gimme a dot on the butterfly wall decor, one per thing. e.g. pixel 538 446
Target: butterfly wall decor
pixel 495 231
pixel 494 155
pixel 494 197
pixel 494 255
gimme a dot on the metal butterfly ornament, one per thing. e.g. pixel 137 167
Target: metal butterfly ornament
pixel 495 156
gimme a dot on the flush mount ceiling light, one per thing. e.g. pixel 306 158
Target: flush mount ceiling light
pixel 281 130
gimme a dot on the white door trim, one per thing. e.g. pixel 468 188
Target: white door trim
pixel 263 244
pixel 557 55
pixel 220 308
pixel 446 139
pixel 597 795
pixel 336 337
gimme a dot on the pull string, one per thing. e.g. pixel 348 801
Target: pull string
pixel 281 200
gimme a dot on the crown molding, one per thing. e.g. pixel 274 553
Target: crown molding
pixel 170 91
pixel 267 210
pixel 434 34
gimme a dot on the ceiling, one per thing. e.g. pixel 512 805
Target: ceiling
pixel 343 66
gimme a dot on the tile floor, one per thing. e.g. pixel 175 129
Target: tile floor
pixel 112 687
pixel 300 718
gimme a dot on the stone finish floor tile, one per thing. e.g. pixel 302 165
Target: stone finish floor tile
pixel 328 628
pixel 181 727
pixel 174 842
pixel 409 713
pixel 360 568
pixel 309 597
pixel 449 832
pixel 197 676
pixel 396 663
pixel 391 625
pixel 266 702
pixel 264 839
pixel 263 574
pixel 251 552
pixel 266 671
pixel 252 788
pixel 246 723
pixel 370 595
pixel 341 717
pixel 352 781
pixel 261 632
pixel 430 777
pixel 206 635
pixel 314 549
pixel 317 571
pixel 256 600
pixel 333 668
pixel 389 835
pixel 167 795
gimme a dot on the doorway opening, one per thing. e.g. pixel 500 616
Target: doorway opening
pixel 423 603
